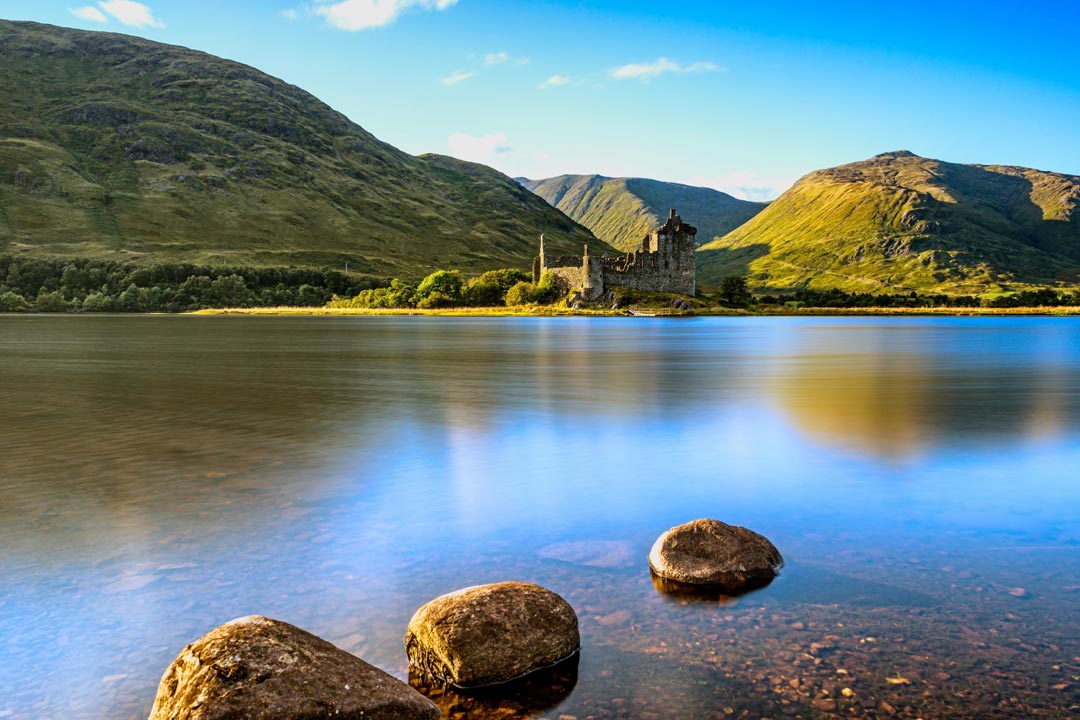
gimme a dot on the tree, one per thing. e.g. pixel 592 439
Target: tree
pixel 97 302
pixel 504 279
pixel 51 302
pixel 310 296
pixel 129 300
pixel 484 294
pixel 193 288
pixel 549 289
pixel 447 284
pixel 12 302
pixel 523 293
pixel 734 291
pixel 232 291
pixel 400 294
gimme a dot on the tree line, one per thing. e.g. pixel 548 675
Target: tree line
pixel 66 285
pixel 449 288
pixel 61 285
pixel 1045 297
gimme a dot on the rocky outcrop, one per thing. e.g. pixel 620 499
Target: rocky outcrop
pixel 709 552
pixel 491 634
pixel 255 668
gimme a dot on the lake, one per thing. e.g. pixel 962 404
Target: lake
pixel 162 475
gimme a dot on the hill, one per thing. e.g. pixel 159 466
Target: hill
pixel 900 222
pixel 622 211
pixel 117 147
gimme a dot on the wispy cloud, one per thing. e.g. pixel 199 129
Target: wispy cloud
pixel 496 58
pixel 289 14
pixel 553 81
pixel 90 13
pixel 647 72
pixel 745 185
pixel 487 149
pixel 131 13
pixel 364 14
pixel 458 76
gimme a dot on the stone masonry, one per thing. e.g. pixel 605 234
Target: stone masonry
pixel 665 263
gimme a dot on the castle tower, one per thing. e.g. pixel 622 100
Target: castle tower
pixel 586 271
pixel 539 262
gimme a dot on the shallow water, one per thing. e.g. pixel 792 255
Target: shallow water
pixel 162 475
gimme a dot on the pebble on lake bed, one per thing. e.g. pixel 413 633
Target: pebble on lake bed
pixel 709 552
pixel 491 634
pixel 262 669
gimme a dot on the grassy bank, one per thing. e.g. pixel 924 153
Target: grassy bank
pixel 552 311
pixel 518 311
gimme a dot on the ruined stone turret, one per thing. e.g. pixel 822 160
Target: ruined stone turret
pixel 665 263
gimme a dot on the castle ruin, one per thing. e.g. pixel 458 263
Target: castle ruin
pixel 664 263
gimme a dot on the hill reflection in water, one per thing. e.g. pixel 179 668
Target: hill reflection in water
pixel 161 475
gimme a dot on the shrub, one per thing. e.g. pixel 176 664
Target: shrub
pixel 445 283
pixel 98 302
pixel 549 289
pixel 400 294
pixel 51 302
pixel 437 300
pixel 521 293
pixel 12 302
pixel 504 279
pixel 734 291
pixel 484 294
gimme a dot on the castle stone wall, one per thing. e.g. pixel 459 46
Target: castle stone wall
pixel 665 263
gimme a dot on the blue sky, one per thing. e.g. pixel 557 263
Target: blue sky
pixel 744 97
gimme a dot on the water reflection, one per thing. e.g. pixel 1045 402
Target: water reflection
pixel 160 476
pixel 686 592
pixel 873 388
pixel 528 697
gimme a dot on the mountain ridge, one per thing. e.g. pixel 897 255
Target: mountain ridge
pixel 901 222
pixel 117 147
pixel 622 211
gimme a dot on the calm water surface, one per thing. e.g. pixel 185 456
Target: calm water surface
pixel 162 475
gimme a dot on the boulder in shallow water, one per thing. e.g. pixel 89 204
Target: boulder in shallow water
pixel 255 668
pixel 491 634
pixel 709 552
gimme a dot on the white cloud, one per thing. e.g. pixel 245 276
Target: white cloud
pixel 650 71
pixel 364 14
pixel 496 58
pixel 458 76
pixel 90 13
pixel 553 81
pixel 746 185
pixel 289 14
pixel 131 13
pixel 489 149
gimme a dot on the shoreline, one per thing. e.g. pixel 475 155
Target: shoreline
pixel 551 311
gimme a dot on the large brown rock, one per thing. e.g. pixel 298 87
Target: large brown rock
pixel 255 668
pixel 491 634
pixel 709 552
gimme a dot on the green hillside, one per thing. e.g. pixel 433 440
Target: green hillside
pixel 622 211
pixel 899 222
pixel 117 147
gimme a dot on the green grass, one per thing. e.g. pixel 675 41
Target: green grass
pixel 899 222
pixel 116 147
pixel 704 309
pixel 623 211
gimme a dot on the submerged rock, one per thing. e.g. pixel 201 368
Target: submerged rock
pixel 255 668
pixel 709 552
pixel 592 553
pixel 491 634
